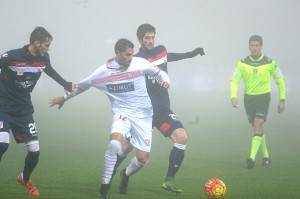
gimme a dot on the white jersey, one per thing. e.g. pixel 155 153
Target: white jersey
pixel 125 86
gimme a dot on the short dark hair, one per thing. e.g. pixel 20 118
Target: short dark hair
pixel 256 38
pixel 143 29
pixel 40 34
pixel 123 44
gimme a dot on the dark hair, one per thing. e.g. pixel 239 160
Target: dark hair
pixel 256 38
pixel 122 45
pixel 143 29
pixel 40 34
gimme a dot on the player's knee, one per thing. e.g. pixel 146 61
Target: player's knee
pixel 180 136
pixel 114 147
pixel 258 121
pixel 142 160
pixel 33 146
pixel 142 157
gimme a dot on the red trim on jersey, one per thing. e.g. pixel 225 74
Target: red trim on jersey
pixel 118 77
pixel 37 64
pixel 157 57
pixel 164 127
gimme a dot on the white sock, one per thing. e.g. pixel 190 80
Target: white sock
pixel 110 159
pixel 180 146
pixel 134 166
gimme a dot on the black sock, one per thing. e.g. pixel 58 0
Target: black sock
pixel 31 161
pixel 104 189
pixel 175 160
pixel 3 148
pixel 119 161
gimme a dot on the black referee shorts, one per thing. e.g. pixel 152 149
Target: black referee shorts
pixel 257 106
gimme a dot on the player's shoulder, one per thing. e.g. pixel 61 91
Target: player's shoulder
pixel 267 59
pixel 264 60
pixel 14 52
pixel 140 63
pixel 245 60
pixel 140 60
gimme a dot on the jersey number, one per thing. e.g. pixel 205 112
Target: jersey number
pixel 32 128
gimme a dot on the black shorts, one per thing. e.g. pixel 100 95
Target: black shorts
pixel 166 122
pixel 257 106
pixel 22 127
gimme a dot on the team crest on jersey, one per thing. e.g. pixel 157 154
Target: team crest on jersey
pixel 147 142
pixel 1 124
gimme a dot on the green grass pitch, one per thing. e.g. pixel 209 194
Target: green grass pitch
pixel 73 141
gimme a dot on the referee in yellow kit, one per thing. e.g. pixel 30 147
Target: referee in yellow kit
pixel 257 70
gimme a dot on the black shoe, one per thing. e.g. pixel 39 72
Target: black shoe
pixel 124 182
pixel 104 191
pixel 266 162
pixel 250 163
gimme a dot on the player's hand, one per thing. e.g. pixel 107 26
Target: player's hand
pixel 57 100
pixel 235 103
pixel 281 106
pixel 165 84
pixel 199 51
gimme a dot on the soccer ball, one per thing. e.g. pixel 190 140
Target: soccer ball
pixel 215 188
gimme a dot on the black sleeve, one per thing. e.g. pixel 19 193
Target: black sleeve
pixel 179 56
pixel 49 70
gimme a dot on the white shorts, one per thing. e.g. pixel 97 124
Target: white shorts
pixel 138 129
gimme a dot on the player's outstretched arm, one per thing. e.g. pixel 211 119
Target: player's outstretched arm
pixel 69 86
pixel 60 100
pixel 179 56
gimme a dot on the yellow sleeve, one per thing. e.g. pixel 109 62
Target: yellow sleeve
pixel 279 79
pixel 235 81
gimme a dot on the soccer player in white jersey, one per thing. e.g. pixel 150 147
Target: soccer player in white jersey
pixel 122 79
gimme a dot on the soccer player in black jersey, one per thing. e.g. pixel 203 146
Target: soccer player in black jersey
pixel 20 71
pixel 164 119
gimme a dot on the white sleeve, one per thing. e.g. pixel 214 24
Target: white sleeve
pixel 84 84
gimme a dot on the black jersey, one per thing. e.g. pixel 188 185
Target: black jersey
pixel 159 95
pixel 20 72
pixel 160 57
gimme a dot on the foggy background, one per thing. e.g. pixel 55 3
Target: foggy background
pixel 84 34
pixel 85 31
